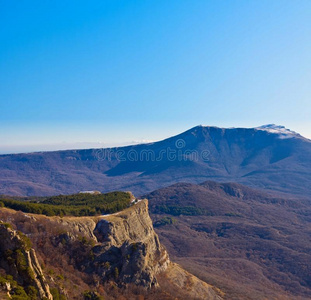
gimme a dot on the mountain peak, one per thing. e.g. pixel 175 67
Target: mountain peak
pixel 282 131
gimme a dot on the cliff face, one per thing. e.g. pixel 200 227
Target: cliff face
pixel 128 250
pixel 120 250
pixel 130 245
pixel 20 260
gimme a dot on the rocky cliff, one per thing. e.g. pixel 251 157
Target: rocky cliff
pixel 131 246
pixel 128 249
pixel 121 251
pixel 20 260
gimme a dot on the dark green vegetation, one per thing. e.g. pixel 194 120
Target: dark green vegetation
pixel 56 294
pixel 15 259
pixel 88 295
pixel 176 210
pixel 164 221
pixel 18 259
pixel 18 292
pixel 72 205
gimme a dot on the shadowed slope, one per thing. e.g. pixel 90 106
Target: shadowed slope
pixel 260 157
pixel 250 244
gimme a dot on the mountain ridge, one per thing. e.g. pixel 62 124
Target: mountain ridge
pixel 278 129
pixel 256 157
pixel 249 243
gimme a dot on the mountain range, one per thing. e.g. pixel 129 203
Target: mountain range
pixel 269 157
pixel 230 205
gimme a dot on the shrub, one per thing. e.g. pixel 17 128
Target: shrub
pixel 32 292
pixel 27 245
pixel 165 221
pixel 6 225
pixel 233 214
pixel 57 295
pixel 60 277
pixel 116 272
pixel 19 293
pixel 107 265
pixel 176 210
pixel 88 295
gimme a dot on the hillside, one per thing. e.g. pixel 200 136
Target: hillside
pixel 251 244
pixel 117 256
pixel 269 157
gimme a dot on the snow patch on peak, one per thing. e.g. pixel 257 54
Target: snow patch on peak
pixel 284 133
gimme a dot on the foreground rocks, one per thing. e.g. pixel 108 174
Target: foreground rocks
pixel 20 260
pixel 110 254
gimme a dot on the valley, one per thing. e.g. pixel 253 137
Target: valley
pixel 249 243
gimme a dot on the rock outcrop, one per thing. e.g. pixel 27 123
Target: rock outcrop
pixel 120 249
pixel 130 245
pixel 128 250
pixel 20 261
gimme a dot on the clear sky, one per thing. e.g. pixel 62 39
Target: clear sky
pixel 77 74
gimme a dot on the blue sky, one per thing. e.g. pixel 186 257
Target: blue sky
pixel 90 73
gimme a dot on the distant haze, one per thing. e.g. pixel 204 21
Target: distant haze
pixel 104 139
pixel 10 149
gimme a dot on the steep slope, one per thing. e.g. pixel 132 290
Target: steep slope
pixel 115 256
pixel 251 244
pixel 19 260
pixel 269 157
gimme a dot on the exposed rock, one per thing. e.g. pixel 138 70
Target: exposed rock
pixel 130 244
pixel 121 248
pixel 28 272
pixel 131 247
pixel 80 225
pixel 128 250
pixel 41 284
